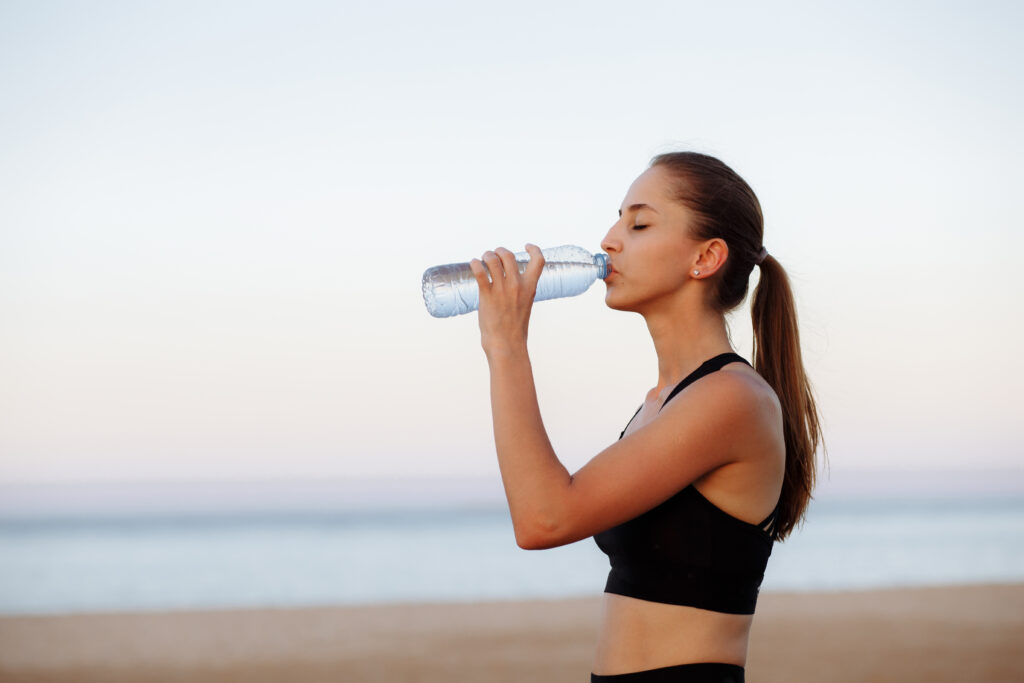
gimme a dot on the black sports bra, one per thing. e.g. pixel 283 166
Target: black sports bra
pixel 688 551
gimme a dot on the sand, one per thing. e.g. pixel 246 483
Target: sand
pixel 961 633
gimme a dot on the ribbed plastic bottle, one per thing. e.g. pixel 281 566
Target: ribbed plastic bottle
pixel 451 289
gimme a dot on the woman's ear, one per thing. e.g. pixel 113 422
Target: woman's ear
pixel 711 257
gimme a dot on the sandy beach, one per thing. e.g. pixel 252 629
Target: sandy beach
pixel 961 633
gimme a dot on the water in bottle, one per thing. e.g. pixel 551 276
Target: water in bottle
pixel 569 270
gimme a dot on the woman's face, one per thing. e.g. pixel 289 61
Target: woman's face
pixel 649 247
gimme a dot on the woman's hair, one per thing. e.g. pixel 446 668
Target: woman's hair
pixel 725 207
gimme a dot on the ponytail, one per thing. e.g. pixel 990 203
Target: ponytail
pixel 724 206
pixel 778 360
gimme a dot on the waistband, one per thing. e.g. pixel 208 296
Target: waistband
pixel 700 672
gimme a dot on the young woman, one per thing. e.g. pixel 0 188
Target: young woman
pixel 717 463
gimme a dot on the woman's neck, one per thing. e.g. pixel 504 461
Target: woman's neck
pixel 685 338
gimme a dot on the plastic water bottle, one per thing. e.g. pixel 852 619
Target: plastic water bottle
pixel 452 289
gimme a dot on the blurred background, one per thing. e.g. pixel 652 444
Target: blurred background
pixel 215 361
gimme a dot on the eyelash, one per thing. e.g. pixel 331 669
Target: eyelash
pixel 639 227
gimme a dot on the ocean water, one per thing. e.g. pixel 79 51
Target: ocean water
pixel 162 560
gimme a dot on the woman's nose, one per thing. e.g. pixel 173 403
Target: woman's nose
pixel 610 242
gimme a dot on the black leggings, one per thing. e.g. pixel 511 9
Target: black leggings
pixel 683 673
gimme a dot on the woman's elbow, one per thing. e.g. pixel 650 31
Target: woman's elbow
pixel 539 535
pixel 545 523
pixel 531 542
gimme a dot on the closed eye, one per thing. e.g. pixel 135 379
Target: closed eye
pixel 639 227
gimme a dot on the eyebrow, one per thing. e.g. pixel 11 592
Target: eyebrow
pixel 637 207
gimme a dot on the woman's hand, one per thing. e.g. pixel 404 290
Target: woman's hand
pixel 506 299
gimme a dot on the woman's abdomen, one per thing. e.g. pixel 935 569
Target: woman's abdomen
pixel 636 635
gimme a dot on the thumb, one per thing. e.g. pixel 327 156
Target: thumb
pixel 536 264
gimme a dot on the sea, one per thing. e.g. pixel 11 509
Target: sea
pixel 131 546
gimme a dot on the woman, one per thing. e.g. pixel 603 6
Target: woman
pixel 716 464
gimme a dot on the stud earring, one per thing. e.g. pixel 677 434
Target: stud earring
pixel 696 272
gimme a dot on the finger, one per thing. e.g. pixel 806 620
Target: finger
pixel 480 273
pixel 497 271
pixel 510 266
pixel 536 265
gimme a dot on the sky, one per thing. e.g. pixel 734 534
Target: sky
pixel 214 217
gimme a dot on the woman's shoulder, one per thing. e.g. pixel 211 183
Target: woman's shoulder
pixel 747 484
pixel 750 386
pixel 743 416
pixel 736 391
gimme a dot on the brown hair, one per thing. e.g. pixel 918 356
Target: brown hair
pixel 726 208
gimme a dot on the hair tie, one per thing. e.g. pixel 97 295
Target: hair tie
pixel 761 256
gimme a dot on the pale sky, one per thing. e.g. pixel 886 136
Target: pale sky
pixel 214 218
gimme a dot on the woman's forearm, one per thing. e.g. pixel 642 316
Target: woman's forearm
pixel 536 483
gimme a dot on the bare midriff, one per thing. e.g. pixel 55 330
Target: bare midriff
pixel 636 635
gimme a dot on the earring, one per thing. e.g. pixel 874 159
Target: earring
pixel 696 272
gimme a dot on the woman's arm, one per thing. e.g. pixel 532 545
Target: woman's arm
pixel 697 432
pixel 533 477
pixel 536 482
